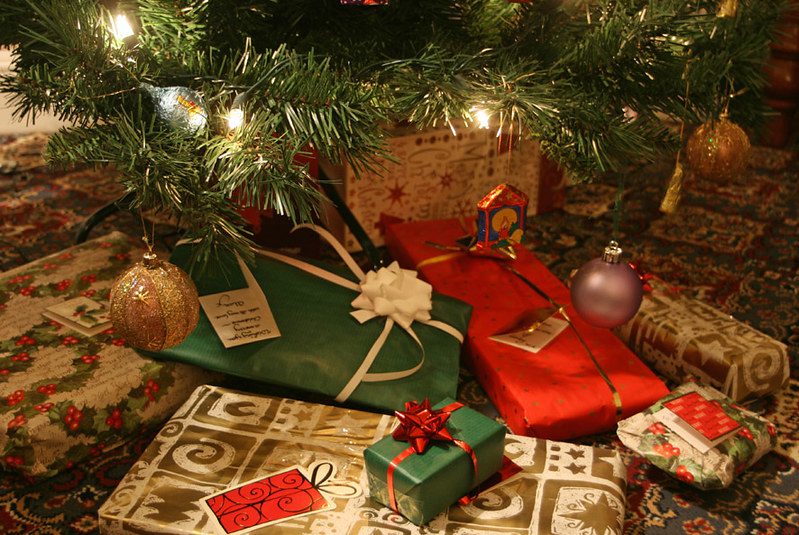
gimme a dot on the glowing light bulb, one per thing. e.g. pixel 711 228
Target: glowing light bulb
pixel 235 118
pixel 121 28
pixel 480 116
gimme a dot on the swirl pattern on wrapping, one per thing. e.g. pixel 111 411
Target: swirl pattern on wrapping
pixel 207 457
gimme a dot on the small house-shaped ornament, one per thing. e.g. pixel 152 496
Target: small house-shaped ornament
pixel 501 218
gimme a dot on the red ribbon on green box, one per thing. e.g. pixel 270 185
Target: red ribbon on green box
pixel 420 424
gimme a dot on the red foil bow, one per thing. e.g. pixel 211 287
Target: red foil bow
pixel 419 425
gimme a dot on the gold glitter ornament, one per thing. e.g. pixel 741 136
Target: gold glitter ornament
pixel 718 149
pixel 674 191
pixel 154 304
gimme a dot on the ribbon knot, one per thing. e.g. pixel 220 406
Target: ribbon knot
pixel 419 424
pixel 395 293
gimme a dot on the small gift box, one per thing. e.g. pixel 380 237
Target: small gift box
pixel 434 457
pixel 699 436
pixel 683 338
pixel 381 336
pixel 572 386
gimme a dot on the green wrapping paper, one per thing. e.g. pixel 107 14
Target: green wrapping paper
pixel 714 469
pixel 321 344
pixel 426 484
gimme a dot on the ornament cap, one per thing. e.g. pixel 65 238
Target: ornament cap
pixel 612 253
pixel 150 260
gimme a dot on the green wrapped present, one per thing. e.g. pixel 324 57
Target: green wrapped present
pixel 370 339
pixel 680 442
pixel 433 458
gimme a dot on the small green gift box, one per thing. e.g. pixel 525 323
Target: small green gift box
pixel 433 458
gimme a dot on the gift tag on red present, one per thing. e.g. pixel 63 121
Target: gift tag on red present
pixel 699 421
pixel 278 497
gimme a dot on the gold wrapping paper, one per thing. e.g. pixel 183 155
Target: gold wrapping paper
pixel 682 337
pixel 220 438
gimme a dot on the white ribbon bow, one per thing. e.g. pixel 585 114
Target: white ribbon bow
pixel 390 292
pixel 394 292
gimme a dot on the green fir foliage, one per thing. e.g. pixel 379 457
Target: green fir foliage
pixel 316 75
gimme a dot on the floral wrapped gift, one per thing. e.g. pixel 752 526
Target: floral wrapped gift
pixel 683 337
pixel 566 389
pixel 221 439
pixel 699 436
pixel 66 395
pixel 378 337
pixel 435 456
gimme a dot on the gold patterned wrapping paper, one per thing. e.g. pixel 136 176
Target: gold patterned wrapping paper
pixel 682 338
pixel 65 396
pixel 221 438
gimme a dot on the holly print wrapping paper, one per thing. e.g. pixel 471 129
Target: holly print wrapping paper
pixel 65 396
pixel 716 468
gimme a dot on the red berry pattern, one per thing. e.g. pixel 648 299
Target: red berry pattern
pixel 18 421
pixel 21 357
pixel 19 279
pixel 43 407
pixel 13 460
pixel 15 398
pixel 772 431
pixel 746 433
pixel 666 450
pixel 90 278
pixel 89 359
pixel 73 417
pixel 27 290
pixel 47 390
pixel 683 474
pixel 26 341
pixel 119 342
pixel 63 285
pixel 114 419
pixel 657 428
pixel 151 389
pixel 88 293
pixel 69 341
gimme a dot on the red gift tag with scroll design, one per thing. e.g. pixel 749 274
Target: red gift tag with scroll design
pixel 285 495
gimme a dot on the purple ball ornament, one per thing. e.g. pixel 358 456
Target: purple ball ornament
pixel 605 291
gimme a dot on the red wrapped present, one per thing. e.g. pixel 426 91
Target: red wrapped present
pixel 562 391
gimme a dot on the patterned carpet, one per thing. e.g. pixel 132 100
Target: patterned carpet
pixel 733 244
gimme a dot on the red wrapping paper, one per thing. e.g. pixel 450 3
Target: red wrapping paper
pixel 556 393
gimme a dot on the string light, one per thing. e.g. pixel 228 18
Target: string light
pixel 235 118
pixel 481 117
pixel 120 27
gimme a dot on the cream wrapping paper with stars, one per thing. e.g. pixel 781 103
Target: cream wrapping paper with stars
pixel 440 174
pixel 221 438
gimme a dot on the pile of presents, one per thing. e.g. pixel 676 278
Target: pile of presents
pixel 384 445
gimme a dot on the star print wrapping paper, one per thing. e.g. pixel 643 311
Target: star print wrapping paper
pixel 683 338
pixel 442 175
pixel 557 393
pixel 65 396
pixel 221 438
pixel 669 450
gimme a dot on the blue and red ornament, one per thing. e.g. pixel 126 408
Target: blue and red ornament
pixel 501 219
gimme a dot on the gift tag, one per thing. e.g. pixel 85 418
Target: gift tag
pixel 701 423
pixel 241 316
pixel 81 314
pixel 536 338
pixel 278 497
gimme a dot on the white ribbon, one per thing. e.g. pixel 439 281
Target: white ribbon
pixel 390 292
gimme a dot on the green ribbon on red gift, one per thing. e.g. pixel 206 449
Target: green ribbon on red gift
pixel 419 425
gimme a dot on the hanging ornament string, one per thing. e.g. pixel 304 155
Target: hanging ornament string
pixel 149 242
pixel 617 206
pixel 674 190
pixel 562 310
